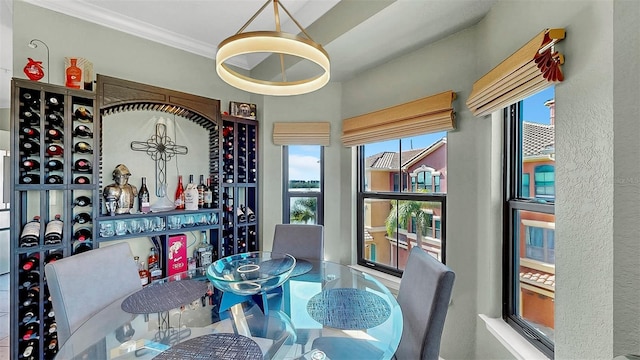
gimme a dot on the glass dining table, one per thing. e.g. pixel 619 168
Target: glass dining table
pixel 179 317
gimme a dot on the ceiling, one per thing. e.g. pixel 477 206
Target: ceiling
pixel 357 34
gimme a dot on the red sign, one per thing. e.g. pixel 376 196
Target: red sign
pixel 177 254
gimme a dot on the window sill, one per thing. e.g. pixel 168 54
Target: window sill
pixel 390 281
pixel 511 340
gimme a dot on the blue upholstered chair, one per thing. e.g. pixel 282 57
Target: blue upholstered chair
pixel 424 295
pixel 83 284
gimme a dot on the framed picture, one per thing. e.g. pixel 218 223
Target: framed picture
pixel 243 110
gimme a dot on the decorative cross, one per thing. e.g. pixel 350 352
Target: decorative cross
pixel 161 149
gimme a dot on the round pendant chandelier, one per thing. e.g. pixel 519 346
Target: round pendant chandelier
pixel 276 42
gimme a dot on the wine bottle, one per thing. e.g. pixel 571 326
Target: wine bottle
pixel 54 165
pixel 54 179
pixel 227 130
pixel 55 119
pixel 154 265
pixel 30 330
pixel 208 195
pixel 240 215
pixel 50 327
pixel 30 296
pixel 29 350
pixel 54 103
pixel 143 197
pixel 48 311
pixel 191 195
pixel 201 188
pixel 82 180
pixel 81 246
pixel 54 135
pixel 29 147
pixel 82 201
pixel 28 278
pixel 28 179
pixel 31 262
pixel 30 164
pixel 30 133
pixel 31 117
pixel 53 231
pixel 82 234
pixel 82 131
pixel 82 218
pixel 53 256
pixel 30 235
pixel 82 165
pixel 55 150
pixel 83 147
pixel 179 200
pixel 83 114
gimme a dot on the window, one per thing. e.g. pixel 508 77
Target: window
pixel 303 184
pixel 529 246
pixel 398 207
pixel 544 181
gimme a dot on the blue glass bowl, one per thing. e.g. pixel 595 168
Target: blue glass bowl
pixel 251 273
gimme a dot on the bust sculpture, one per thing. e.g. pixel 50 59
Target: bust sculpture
pixel 119 196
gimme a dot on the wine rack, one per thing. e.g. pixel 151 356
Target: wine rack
pixel 239 198
pixel 52 166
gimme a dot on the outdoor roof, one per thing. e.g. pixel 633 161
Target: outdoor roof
pixel 391 159
pixel 537 139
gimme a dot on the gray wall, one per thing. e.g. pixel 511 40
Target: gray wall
pixel 597 166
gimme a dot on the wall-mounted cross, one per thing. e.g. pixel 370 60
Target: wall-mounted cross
pixel 161 149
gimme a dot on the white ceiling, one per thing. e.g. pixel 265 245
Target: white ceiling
pixel 361 33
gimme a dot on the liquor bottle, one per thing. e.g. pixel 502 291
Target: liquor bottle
pixel 53 231
pixel 29 147
pixel 54 135
pixel 201 189
pixel 30 235
pixel 191 195
pixel 82 165
pixel 54 164
pixel 54 179
pixel 55 150
pixel 144 274
pixel 29 179
pixel 53 256
pixel 55 119
pixel 82 218
pixel 240 215
pixel 30 133
pixel 30 164
pixel 208 195
pixel 82 201
pixel 31 262
pixel 82 234
pixel 179 201
pixel 82 180
pixel 83 131
pixel 143 197
pixel 204 252
pixel 73 75
pixel 153 264
pixel 83 147
pixel 83 114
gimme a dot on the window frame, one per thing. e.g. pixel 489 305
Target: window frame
pixel 363 194
pixel 514 202
pixel 287 195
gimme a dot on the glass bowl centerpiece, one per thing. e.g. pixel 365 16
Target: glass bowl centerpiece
pixel 251 273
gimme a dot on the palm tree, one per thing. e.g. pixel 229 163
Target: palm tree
pixel 304 211
pixel 406 210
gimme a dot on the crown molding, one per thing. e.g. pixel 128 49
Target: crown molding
pixel 116 21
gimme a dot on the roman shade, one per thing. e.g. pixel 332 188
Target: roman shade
pixel 302 133
pixel 532 68
pixel 430 114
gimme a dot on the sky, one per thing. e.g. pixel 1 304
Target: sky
pixel 304 161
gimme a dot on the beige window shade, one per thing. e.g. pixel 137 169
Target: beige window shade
pixel 533 67
pixel 302 133
pixel 430 114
